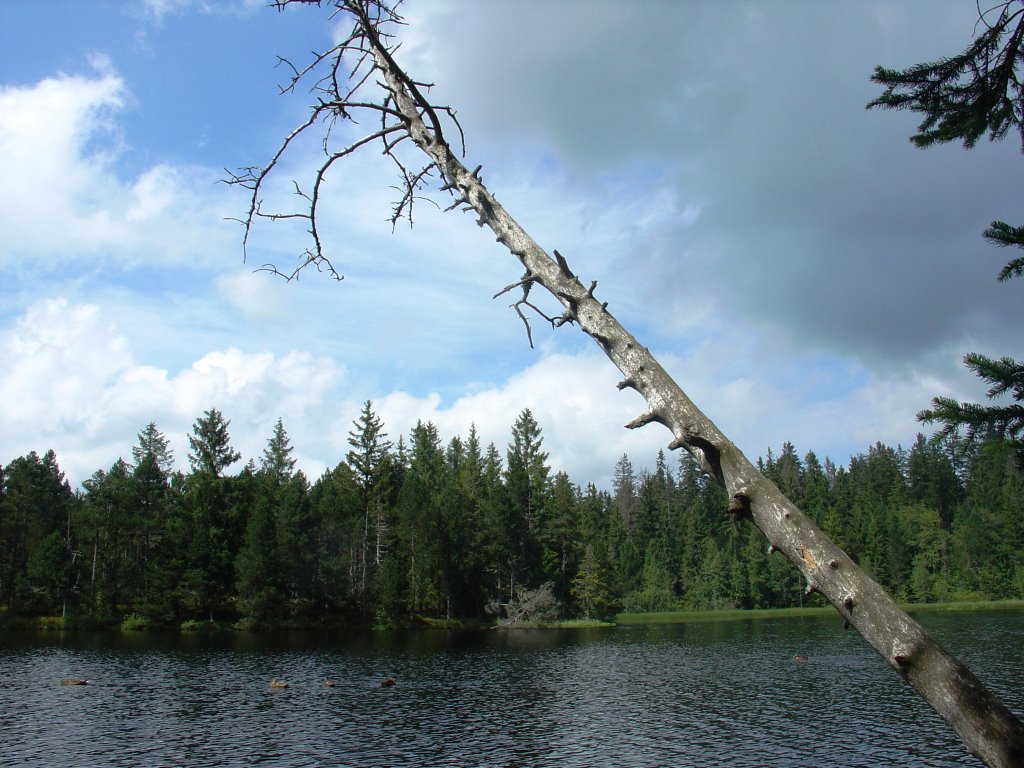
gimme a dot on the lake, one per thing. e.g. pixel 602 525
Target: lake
pixel 699 694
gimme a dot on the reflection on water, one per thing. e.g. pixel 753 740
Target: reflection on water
pixel 714 694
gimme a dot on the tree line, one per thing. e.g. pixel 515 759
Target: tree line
pixel 426 529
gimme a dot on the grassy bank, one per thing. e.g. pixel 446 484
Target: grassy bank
pixel 59 624
pixel 682 617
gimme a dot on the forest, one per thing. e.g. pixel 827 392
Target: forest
pixel 419 529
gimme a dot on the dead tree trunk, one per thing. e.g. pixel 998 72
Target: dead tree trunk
pixel 989 729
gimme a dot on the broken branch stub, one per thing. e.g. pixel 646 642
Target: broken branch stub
pixel 987 726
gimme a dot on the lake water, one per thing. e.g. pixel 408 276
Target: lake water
pixel 706 694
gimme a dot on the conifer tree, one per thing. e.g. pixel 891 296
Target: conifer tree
pixel 560 535
pixel 527 491
pixel 258 567
pixel 592 588
pixel 422 528
pixel 211 445
pixel 277 456
pixel 216 528
pixel 963 98
pixel 156 501
pixel 624 492
pixel 337 507
pixel 37 552
pixel 152 442
pixel 368 458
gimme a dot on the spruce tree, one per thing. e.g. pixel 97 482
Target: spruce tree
pixel 258 567
pixel 963 98
pixel 369 459
pixel 592 588
pixel 528 487
pixel 215 529
pixel 211 445
pixel 152 442
pixel 277 458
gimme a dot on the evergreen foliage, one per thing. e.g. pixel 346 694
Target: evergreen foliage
pixel 211 450
pixel 444 530
pixel 1006 376
pixel 963 98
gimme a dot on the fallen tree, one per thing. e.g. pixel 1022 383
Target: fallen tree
pixel 359 78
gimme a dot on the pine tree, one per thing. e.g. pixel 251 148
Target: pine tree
pixel 337 506
pixel 561 535
pixel 527 488
pixel 931 479
pixel 110 536
pixel 211 446
pixel 258 567
pixel 461 508
pixel 592 588
pixel 277 458
pixel 963 98
pixel 216 527
pixel 156 502
pixel 422 529
pixel 624 492
pixel 815 492
pixel 977 421
pixel 988 535
pixel 369 459
pixel 527 471
pixel 499 547
pixel 152 442
pixel 37 552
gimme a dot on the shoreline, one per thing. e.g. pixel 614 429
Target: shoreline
pixel 57 624
pixel 737 614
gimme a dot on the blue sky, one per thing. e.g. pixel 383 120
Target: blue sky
pixel 803 272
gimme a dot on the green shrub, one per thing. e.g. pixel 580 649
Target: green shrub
pixel 133 622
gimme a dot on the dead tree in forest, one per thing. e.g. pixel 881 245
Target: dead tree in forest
pixel 360 78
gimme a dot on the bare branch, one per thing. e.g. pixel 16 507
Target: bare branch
pixel 339 77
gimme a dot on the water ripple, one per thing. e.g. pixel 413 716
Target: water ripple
pixel 728 694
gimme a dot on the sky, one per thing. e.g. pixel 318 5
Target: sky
pixel 803 272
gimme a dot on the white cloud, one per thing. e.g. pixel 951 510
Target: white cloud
pixel 575 401
pixel 59 360
pixel 65 197
pixel 153 193
pixel 79 389
pixel 54 174
pixel 161 7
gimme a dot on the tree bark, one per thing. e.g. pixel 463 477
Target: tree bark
pixel 988 728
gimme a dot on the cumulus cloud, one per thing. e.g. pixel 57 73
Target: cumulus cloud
pixel 53 172
pixel 74 383
pixel 573 398
pixel 81 388
pixel 66 197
